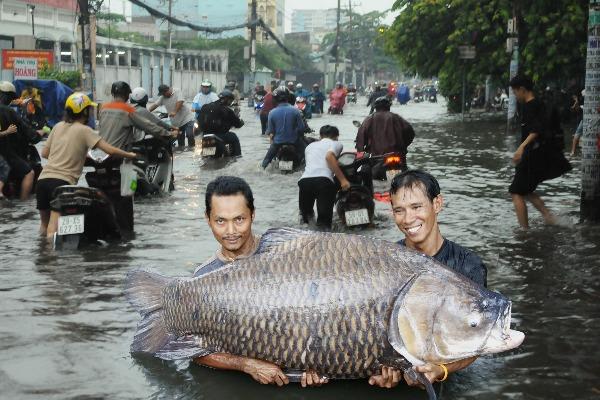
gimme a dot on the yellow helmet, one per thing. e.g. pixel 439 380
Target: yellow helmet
pixel 78 101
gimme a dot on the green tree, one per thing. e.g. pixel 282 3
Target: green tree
pixel 427 33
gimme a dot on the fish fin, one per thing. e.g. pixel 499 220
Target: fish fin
pixel 181 348
pixel 275 236
pixel 144 291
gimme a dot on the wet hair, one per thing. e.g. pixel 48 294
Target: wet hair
pixel 416 178
pixel 71 117
pixel 521 81
pixel 228 186
pixel 329 131
pixel 7 97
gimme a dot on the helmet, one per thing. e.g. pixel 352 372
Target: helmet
pixel 226 94
pixel 316 85
pixel 298 86
pixel 231 84
pixel 7 87
pixel 120 89
pixel 138 96
pixel 338 83
pixel 383 101
pixel 77 102
pixel 206 83
pixel 281 93
pixel 290 83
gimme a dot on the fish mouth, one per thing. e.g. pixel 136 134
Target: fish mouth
pixel 504 339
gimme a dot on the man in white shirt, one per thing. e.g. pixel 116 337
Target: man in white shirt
pixel 317 181
pixel 180 114
pixel 205 96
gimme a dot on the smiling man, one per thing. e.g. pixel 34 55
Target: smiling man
pixel 416 203
pixel 230 213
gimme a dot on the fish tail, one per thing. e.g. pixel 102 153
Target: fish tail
pixel 144 290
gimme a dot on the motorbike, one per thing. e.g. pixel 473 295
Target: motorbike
pixel 86 216
pixel 154 166
pixel 386 167
pixel 258 103
pixel 351 97
pixel 355 206
pixel 304 107
pixel 288 159
pixel 12 187
pixel 213 146
pixel 418 97
pixel 500 102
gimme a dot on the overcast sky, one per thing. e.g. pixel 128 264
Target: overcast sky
pixel 361 6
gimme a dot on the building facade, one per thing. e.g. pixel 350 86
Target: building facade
pixel 317 20
pixel 273 13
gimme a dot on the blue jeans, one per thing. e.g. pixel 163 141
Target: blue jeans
pixel 187 130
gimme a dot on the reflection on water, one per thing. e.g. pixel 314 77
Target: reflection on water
pixel 66 326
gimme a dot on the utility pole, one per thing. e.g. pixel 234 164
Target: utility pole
pixel 169 27
pixel 337 43
pixel 513 47
pixel 351 34
pixel 590 140
pixel 254 18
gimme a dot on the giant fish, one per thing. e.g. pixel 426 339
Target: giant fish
pixel 343 305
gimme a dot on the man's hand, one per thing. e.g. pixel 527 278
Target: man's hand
pixel 12 128
pixel 432 372
pixel 174 132
pixel 172 114
pixel 265 372
pixel 389 378
pixel 311 378
pixel 345 184
pixel 271 138
pixel 518 155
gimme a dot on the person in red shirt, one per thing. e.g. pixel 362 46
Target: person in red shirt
pixel 268 105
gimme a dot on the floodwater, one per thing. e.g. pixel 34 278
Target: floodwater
pixel 65 326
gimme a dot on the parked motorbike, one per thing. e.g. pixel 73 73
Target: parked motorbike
pixel 87 216
pixel 355 206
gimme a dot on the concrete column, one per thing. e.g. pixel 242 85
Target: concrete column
pixel 103 52
pixel 57 56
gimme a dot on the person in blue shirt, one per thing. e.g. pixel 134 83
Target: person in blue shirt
pixel 284 126
pixel 317 98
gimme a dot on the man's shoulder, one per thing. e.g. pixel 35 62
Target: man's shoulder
pixel 212 264
pixel 463 260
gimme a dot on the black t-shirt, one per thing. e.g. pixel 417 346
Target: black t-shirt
pixel 461 260
pixel 217 118
pixel 17 143
pixel 533 119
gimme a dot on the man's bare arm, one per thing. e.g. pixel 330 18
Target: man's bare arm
pixel 261 371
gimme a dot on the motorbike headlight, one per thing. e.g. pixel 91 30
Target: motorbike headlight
pixel 195 125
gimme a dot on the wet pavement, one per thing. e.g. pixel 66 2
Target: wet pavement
pixel 65 326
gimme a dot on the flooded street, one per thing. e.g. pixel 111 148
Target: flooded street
pixel 66 326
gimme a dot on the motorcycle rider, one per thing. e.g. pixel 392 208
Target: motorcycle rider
pixel 384 131
pixel 285 125
pixel 139 99
pixel 205 96
pixel 15 145
pixel 337 97
pixel 304 94
pixel 317 98
pixel 180 114
pixel 377 93
pixel 218 118
pixel 118 121
pixel 268 105
pixel 232 87
pixel 66 150
pixel 292 93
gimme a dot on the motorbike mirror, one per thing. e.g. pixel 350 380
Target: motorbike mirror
pixel 356 123
pixel 97 155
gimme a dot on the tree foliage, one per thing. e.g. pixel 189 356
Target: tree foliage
pixel 427 33
pixel 361 40
pixel 69 78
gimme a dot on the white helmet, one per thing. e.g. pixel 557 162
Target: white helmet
pixel 138 94
pixel 298 86
pixel 6 86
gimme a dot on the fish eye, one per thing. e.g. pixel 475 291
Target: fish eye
pixel 473 324
pixel 484 304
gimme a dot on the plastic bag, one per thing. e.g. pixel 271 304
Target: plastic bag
pixel 128 179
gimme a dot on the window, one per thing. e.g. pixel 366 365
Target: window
pixel 66 55
pixel 135 59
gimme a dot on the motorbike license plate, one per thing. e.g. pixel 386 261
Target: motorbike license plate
pixel 286 165
pixel 390 174
pixel 209 151
pixel 70 224
pixel 357 217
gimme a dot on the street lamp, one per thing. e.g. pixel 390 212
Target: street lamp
pixel 31 8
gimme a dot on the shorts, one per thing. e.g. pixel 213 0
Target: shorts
pixel 4 169
pixel 44 190
pixel 18 168
pixel 579 130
